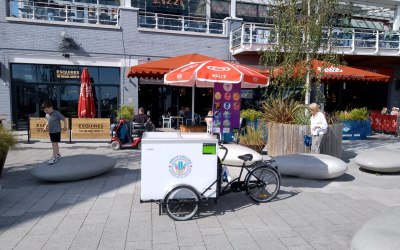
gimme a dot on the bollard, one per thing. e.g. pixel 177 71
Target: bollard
pixel 29 131
pixel 69 130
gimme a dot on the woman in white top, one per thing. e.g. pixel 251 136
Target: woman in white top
pixel 319 126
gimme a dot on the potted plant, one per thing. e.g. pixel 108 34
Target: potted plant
pixel 253 138
pixel 288 121
pixel 7 141
pixel 355 124
pixel 125 111
pixel 252 116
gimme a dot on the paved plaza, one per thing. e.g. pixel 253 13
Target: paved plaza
pixel 105 212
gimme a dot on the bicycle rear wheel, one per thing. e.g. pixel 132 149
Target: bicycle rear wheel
pixel 263 184
pixel 182 203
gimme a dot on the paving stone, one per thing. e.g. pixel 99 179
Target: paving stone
pixel 138 245
pixel 217 241
pixel 59 241
pixel 241 239
pixel 293 241
pixel 88 237
pixel 32 242
pixel 166 246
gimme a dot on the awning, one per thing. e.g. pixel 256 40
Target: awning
pixel 329 71
pixel 157 69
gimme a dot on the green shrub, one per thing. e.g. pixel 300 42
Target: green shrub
pixel 302 117
pixel 250 114
pixel 7 140
pixel 357 114
pixel 125 111
pixel 253 136
pixel 280 110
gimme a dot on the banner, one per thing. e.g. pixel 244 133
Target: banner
pixel 91 128
pixel 36 126
pixel 226 107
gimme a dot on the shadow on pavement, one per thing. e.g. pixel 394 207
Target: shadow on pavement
pixel 378 173
pixel 25 199
pixel 289 181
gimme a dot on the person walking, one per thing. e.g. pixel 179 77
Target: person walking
pixel 53 126
pixel 319 126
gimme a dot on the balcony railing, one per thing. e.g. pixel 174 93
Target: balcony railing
pixel 64 12
pixel 255 37
pixel 180 23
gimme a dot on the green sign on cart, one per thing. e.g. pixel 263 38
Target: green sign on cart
pixel 209 148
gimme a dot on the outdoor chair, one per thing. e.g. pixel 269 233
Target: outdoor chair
pixel 166 120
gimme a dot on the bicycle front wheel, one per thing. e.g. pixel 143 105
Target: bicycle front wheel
pixel 182 203
pixel 263 184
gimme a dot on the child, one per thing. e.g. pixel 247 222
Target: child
pixel 53 125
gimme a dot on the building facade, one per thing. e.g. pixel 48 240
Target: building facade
pixel 44 45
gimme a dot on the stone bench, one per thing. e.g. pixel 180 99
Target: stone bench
pixel 380 232
pixel 73 168
pixel 310 166
pixel 379 160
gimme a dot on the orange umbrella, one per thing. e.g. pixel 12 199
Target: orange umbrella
pixel 328 71
pixel 86 108
pixel 205 74
pixel 157 69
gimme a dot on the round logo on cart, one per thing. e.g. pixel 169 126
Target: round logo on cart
pixel 228 87
pixel 180 166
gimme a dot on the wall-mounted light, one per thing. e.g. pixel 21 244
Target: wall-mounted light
pixel 66 55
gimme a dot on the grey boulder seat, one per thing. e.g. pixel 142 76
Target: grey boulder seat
pixel 379 160
pixel 73 168
pixel 380 232
pixel 311 166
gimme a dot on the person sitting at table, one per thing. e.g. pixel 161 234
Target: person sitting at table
pixel 384 111
pixel 141 117
pixel 187 116
pixel 395 111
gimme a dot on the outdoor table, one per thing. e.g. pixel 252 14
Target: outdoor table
pixel 179 120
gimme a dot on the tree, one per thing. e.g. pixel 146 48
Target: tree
pixel 302 32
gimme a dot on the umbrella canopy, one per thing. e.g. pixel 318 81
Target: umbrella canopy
pixel 329 71
pixel 86 108
pixel 157 69
pixel 205 74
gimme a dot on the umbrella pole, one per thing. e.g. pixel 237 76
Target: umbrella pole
pixel 193 89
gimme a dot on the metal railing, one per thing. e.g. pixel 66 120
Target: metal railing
pixel 180 23
pixel 64 12
pixel 253 37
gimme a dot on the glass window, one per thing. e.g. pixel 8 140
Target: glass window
pixel 106 99
pixel 109 75
pixel 93 73
pixel 220 9
pixel 23 73
pixel 109 2
pixel 69 96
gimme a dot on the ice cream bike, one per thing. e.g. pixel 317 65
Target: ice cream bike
pixel 181 170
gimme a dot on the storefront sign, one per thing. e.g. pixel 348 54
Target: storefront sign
pixel 226 107
pixel 68 74
pixel 36 126
pixel 90 128
pixel 168 3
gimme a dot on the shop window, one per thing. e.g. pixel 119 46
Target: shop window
pixel 108 75
pixel 23 73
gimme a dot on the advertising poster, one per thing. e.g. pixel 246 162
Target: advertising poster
pixel 226 107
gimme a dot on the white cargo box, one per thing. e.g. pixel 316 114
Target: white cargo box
pixel 170 159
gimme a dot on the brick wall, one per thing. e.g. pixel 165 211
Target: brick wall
pixel 126 43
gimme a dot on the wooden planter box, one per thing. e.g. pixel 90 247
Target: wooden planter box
pixel 192 128
pixel 284 139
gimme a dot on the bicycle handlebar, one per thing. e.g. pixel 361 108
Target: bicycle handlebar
pixel 226 151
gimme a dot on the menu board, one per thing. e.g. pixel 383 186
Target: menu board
pixel 226 107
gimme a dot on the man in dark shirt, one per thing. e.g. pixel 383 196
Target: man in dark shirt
pixel 140 117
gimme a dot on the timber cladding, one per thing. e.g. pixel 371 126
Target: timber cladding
pixel 36 125
pixel 90 128
pixel 284 139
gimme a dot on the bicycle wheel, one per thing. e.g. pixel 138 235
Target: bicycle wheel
pixel 182 203
pixel 263 184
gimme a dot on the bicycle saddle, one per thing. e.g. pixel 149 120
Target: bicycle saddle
pixel 246 157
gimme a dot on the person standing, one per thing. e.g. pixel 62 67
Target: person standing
pixel 53 125
pixel 319 126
